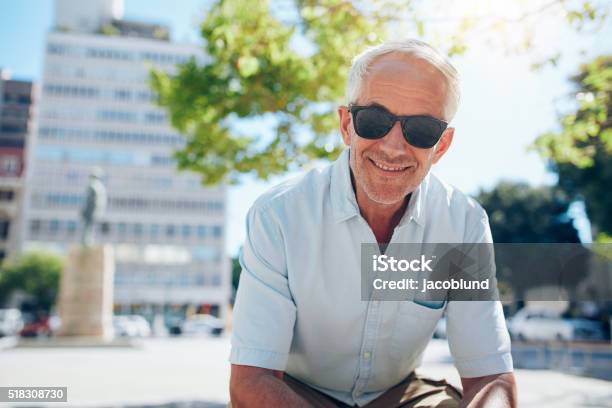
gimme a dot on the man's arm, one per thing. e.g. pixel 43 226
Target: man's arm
pixel 261 387
pixel 263 319
pixel 498 390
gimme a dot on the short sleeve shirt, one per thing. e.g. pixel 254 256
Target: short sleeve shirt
pixel 299 309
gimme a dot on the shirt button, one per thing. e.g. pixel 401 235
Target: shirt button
pixel 367 355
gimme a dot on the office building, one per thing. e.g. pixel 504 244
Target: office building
pixel 15 114
pixel 97 110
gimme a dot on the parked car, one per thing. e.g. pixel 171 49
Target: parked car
pixel 131 326
pixel 202 324
pixel 11 322
pixel 543 324
pixel 39 325
pixel 175 325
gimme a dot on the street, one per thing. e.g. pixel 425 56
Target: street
pixel 194 372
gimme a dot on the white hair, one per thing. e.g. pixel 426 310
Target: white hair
pixel 412 47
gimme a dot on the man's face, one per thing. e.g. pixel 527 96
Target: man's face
pixel 405 86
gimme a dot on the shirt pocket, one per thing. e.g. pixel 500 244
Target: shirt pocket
pixel 414 327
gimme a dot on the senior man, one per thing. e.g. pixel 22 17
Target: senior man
pixel 302 335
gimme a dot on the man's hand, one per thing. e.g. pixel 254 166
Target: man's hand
pixel 493 391
pixel 261 387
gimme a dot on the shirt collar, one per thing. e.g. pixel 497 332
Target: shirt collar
pixel 344 203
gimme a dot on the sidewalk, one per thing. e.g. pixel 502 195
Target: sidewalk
pixel 194 372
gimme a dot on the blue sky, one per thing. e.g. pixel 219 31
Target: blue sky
pixel 29 20
pixel 505 104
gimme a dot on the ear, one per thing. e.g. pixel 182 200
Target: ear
pixel 345 123
pixel 443 144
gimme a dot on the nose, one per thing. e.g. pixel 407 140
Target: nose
pixel 394 141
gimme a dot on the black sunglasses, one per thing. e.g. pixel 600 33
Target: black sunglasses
pixel 374 122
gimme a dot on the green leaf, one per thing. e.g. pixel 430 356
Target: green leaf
pixel 581 153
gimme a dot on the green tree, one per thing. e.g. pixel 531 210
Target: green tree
pixel 581 153
pixel 519 213
pixel 254 70
pixel 287 61
pixel 36 274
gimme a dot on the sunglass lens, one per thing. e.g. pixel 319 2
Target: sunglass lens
pixel 422 132
pixel 372 123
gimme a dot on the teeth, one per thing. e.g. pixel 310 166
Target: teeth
pixel 382 166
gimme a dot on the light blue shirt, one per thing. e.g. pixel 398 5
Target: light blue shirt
pixel 298 308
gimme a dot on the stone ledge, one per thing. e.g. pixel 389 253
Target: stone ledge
pixel 77 341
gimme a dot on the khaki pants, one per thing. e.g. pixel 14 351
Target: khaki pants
pixel 414 392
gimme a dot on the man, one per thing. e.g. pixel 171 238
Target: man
pixel 302 335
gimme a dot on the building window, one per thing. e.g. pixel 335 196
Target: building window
pixel 170 230
pixel 202 231
pixel 35 226
pixel 184 279
pixel 200 280
pixel 24 100
pixel 71 91
pixel 117 116
pixel 54 226
pixel 58 49
pixel 71 227
pixel 155 117
pixel 217 231
pixel 13 128
pixel 4 229
pixel 186 231
pixel 123 94
pixel 6 195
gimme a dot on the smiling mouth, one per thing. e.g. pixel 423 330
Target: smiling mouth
pixel 388 168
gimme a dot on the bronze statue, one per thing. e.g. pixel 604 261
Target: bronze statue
pixel 95 204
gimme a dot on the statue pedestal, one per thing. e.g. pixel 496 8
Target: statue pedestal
pixel 86 293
